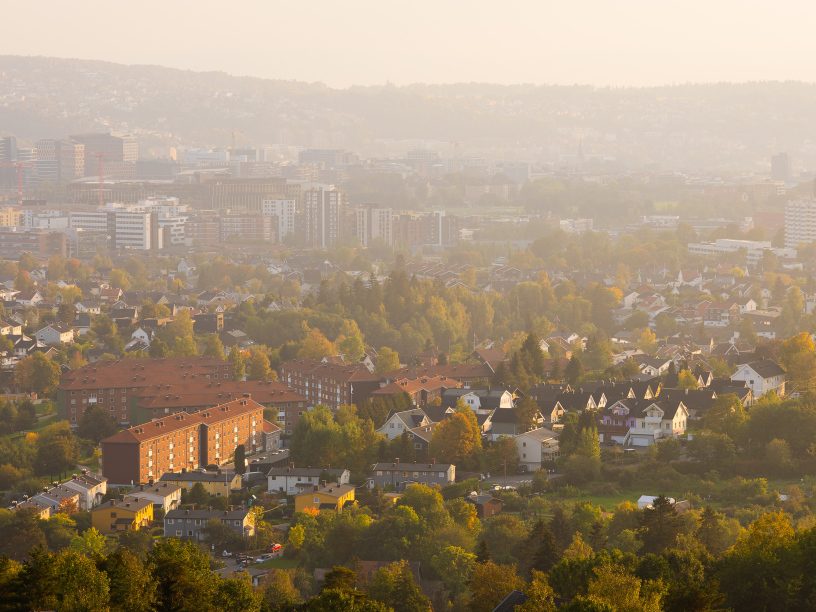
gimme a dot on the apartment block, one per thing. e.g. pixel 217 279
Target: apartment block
pixel 800 222
pixel 112 384
pixel 322 207
pixel 284 211
pixel 330 384
pixel 182 441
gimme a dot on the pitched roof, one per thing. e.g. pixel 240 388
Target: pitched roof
pixel 356 372
pixel 182 420
pixel 198 476
pixel 142 372
pixel 303 471
pixel 461 371
pixel 415 385
pixel 134 504
pixel 410 467
pixel 195 394
pixel 236 514
pixel 541 434
pixel 766 368
pixel 332 490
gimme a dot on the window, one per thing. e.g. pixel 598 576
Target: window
pixel 178 532
pixel 316 500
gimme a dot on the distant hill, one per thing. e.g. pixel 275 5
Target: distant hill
pixel 718 126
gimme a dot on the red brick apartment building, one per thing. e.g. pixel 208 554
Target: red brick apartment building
pixel 191 396
pixel 330 384
pixel 184 441
pixel 112 384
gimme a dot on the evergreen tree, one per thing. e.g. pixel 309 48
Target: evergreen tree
pixel 240 459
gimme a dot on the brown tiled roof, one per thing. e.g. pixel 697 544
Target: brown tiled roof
pixel 413 385
pixel 139 372
pixel 181 420
pixel 341 372
pixel 194 394
pixel 459 371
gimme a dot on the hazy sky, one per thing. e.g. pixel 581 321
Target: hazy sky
pixel 343 42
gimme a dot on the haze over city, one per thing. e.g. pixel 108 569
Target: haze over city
pixel 408 307
pixel 365 42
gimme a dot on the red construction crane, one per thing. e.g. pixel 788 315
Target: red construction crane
pixel 19 166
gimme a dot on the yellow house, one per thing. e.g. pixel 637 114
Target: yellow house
pixel 122 515
pixel 218 483
pixel 332 497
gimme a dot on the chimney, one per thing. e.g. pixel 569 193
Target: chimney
pixel 396 461
pixel 433 461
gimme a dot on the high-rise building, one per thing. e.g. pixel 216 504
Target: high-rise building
pixel 800 222
pixel 781 167
pixel 247 227
pixel 284 210
pixel 374 224
pixel 127 228
pixel 245 194
pixel 108 148
pixel 322 207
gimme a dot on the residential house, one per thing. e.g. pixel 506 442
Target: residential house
pixel 91 488
pixel 55 334
pixel 91 307
pixel 420 438
pixel 329 384
pixel 535 447
pixel 396 475
pixel 332 497
pixel 422 391
pixel 652 366
pixel 115 516
pixel 486 504
pixel 506 423
pixel 293 480
pixel 82 324
pixel 165 496
pixel 219 482
pixel 29 299
pixel 654 420
pixel 481 401
pixel 60 498
pixel 763 376
pixel 190 524
pixel 400 422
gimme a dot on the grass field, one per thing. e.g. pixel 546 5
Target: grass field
pixel 278 563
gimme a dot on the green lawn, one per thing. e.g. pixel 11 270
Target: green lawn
pixel 277 563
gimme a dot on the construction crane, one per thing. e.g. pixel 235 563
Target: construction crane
pixel 19 166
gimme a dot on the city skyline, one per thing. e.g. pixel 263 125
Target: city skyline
pixel 587 42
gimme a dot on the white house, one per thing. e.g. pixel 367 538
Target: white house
pixel 536 446
pixel 29 298
pixel 55 334
pixel 762 377
pixel 293 480
pixel 164 495
pixel 481 401
pixel 91 488
pixel 400 422
pixel 655 421
pixel 653 366
pixel 88 306
pixel 646 501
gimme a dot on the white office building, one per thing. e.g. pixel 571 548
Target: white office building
pixel 800 222
pixel 754 249
pixel 374 224
pixel 284 210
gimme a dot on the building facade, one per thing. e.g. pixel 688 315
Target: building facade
pixel 182 441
